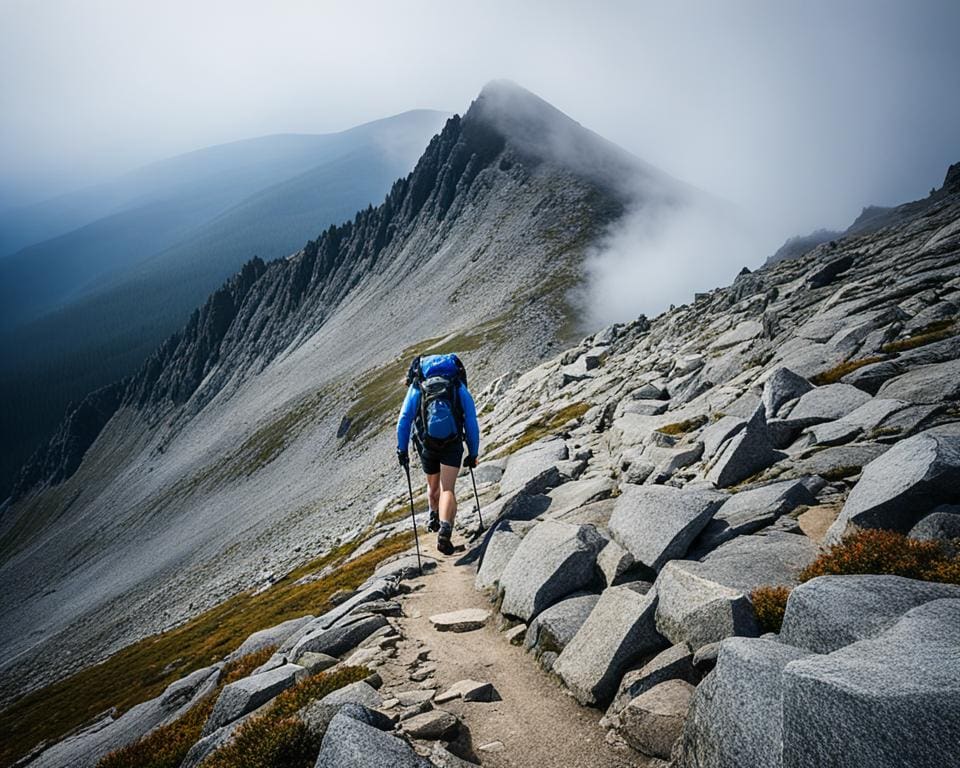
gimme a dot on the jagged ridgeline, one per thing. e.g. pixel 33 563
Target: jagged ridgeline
pixel 260 430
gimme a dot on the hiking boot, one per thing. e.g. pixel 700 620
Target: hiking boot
pixel 443 541
pixel 434 524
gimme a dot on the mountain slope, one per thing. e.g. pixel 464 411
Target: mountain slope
pixel 126 281
pixel 263 426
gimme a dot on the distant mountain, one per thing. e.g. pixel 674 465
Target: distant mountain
pixel 262 426
pixel 115 287
pixel 54 251
pixel 871 219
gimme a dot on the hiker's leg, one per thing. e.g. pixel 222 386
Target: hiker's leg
pixel 448 500
pixel 433 491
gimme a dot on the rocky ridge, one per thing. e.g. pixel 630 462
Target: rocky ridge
pixel 637 488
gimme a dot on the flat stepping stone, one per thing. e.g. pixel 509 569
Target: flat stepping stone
pixel 435 724
pixel 466 620
pixel 469 690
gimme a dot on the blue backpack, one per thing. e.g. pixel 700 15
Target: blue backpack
pixel 440 421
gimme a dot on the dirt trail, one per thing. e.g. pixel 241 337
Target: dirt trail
pixel 537 722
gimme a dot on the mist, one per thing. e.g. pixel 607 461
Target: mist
pixel 799 115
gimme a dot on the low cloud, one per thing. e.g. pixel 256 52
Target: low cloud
pixel 662 252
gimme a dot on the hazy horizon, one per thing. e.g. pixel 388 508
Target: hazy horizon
pixel 798 115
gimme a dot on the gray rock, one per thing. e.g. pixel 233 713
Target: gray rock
pixel 943 525
pixel 553 560
pixel 717 433
pixel 704 602
pixel 247 694
pixel 338 640
pixel 745 454
pixel 265 638
pixel 208 744
pixel 432 725
pixel 648 392
pixel 735 718
pixel 317 716
pixel 926 384
pixel 614 563
pixel 749 511
pixel 349 742
pixel 84 749
pixel 705 659
pixel 359 692
pixel 825 274
pixel 894 698
pixel 533 469
pixel 488 473
pixel 653 721
pixel 657 523
pixel 826 403
pixel 469 690
pixel 830 612
pixel 501 543
pixel 570 496
pixel 317 662
pixel 670 460
pixel 643 407
pixel 675 663
pixel 781 387
pixel 619 630
pixel 902 485
pixel 403 567
pixel 552 629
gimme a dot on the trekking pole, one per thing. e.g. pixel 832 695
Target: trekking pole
pixel 413 516
pixel 476 498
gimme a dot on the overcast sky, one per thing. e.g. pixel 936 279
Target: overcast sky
pixel 801 113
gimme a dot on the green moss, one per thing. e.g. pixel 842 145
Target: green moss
pixel 942 329
pixel 839 473
pixel 839 371
pixel 141 671
pixel 545 426
pixel 682 427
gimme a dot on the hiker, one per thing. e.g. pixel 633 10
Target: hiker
pixel 440 408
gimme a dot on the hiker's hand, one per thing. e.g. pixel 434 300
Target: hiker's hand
pixel 470 461
pixel 403 458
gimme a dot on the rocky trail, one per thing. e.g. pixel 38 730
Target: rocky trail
pixel 533 722
pixel 726 537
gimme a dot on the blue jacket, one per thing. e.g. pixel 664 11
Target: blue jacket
pixel 411 406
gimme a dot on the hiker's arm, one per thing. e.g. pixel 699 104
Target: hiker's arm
pixel 470 425
pixel 408 412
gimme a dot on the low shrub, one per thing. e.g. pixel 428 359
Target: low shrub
pixel 168 745
pixel 886 552
pixel 277 738
pixel 769 604
pixel 682 427
pixel 863 552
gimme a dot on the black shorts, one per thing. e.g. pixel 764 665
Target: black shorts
pixel 451 455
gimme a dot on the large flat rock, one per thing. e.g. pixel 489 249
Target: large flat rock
pixel 704 602
pixel 901 486
pixel 829 612
pixel 652 722
pixel 534 469
pixel 247 694
pixel 826 403
pixel 340 639
pixel 571 496
pixel 749 511
pixel 749 451
pixel 553 560
pixel 936 383
pixel 618 632
pixel 893 699
pixel 350 742
pixel 465 620
pixel 735 718
pixel 554 628
pixel 657 523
